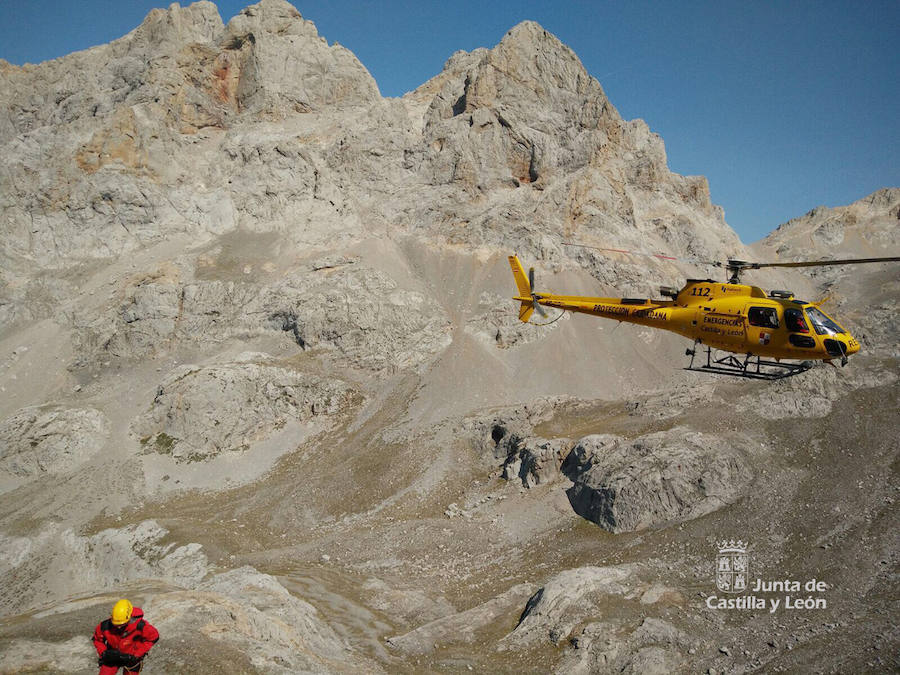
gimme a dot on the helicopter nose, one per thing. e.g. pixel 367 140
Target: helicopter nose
pixel 852 344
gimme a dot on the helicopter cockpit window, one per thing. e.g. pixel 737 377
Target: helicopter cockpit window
pixel 766 317
pixel 795 321
pixel 822 324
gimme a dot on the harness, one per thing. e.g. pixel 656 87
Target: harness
pixel 108 626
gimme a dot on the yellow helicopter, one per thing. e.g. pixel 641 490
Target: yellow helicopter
pixel 731 317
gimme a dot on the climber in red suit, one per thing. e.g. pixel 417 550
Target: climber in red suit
pixel 123 640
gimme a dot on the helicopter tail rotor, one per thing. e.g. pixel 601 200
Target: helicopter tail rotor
pixel 534 296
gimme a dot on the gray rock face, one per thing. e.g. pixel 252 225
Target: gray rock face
pixel 199 413
pixel 127 136
pixel 359 315
pixel 101 125
pixel 625 486
pixel 173 129
pixel 863 298
pixel 497 118
pixel 863 227
pixel 525 125
pixel 49 440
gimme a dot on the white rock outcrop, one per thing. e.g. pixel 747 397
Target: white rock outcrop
pixel 85 565
pixel 201 412
pixel 49 440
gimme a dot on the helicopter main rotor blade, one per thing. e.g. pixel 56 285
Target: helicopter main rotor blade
pixel 817 263
pixel 695 261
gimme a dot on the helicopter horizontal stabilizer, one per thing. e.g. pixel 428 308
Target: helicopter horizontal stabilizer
pixel 527 307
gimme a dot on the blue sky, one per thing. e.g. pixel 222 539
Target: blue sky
pixel 782 106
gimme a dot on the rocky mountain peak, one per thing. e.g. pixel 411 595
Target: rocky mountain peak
pixel 529 69
pixel 164 29
pixel 526 113
pixel 272 16
pixel 886 198
pixel 868 227
pixel 538 57
pixel 284 66
pixel 121 124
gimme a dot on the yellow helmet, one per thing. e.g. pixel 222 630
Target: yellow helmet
pixel 121 612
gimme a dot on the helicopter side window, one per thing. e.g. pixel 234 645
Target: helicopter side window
pixel 795 321
pixel 765 317
pixel 821 322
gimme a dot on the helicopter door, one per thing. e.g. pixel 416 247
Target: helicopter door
pixel 762 324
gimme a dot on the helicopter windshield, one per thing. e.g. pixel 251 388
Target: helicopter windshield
pixel 820 321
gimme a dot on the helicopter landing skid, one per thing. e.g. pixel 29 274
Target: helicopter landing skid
pixel 752 367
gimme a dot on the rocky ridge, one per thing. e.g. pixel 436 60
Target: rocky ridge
pixel 865 294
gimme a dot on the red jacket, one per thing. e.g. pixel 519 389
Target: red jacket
pixel 136 639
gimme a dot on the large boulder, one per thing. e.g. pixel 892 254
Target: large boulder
pixel 565 601
pixel 629 485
